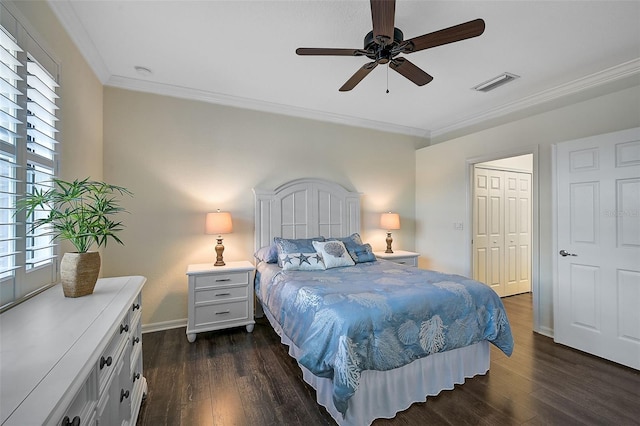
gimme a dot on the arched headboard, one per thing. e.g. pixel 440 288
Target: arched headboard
pixel 305 208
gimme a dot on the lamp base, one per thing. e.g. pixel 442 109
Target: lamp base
pixel 219 250
pixel 389 241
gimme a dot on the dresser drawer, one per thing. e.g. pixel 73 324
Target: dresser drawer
pixel 216 280
pixel 221 313
pixel 107 360
pixel 223 293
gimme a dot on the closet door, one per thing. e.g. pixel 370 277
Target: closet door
pixel 488 229
pixel 502 230
pixel 517 203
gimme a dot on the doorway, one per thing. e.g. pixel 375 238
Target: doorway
pixel 502 224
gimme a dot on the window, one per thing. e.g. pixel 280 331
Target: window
pixel 28 159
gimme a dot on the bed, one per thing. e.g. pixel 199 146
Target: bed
pixel 370 336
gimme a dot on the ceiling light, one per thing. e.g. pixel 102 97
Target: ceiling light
pixel 143 71
pixel 495 82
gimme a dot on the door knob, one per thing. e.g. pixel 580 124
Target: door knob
pixel 565 253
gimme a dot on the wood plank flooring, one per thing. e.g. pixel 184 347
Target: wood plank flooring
pixel 232 377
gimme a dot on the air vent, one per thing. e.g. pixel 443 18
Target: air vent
pixel 498 81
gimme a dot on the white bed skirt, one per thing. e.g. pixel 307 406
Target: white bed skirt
pixel 382 394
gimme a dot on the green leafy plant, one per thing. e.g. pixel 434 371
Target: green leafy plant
pixel 80 211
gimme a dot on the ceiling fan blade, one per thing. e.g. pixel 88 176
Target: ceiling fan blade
pixel 448 35
pixel 358 76
pixel 410 71
pixel 383 14
pixel 332 52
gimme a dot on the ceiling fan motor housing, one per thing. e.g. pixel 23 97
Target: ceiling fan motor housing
pixel 382 53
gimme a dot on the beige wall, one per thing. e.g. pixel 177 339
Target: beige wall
pixel 184 158
pixel 80 94
pixel 442 182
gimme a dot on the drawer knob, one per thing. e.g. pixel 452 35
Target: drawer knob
pixel 136 377
pixel 124 328
pixel 135 340
pixel 223 280
pixel 135 306
pixel 106 362
pixel 67 422
pixel 123 394
pixel 223 294
pixel 222 312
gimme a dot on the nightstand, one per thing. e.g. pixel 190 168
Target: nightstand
pixel 220 297
pixel 399 256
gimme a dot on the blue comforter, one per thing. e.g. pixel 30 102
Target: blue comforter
pixel 378 316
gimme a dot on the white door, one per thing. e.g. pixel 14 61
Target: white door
pixel 488 229
pixel 502 230
pixel 597 288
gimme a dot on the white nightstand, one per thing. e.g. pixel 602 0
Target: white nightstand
pixel 220 297
pixel 399 256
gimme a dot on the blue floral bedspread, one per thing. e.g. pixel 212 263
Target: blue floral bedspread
pixel 378 316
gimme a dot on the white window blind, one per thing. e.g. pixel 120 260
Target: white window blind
pixel 28 151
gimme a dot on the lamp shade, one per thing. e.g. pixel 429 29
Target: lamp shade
pixel 390 221
pixel 218 223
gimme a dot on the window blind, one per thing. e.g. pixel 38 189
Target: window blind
pixel 28 160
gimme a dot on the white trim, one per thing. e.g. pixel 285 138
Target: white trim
pixel 69 19
pixel 254 104
pixel 164 325
pixel 609 75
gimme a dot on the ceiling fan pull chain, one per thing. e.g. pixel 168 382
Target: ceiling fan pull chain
pixel 387 77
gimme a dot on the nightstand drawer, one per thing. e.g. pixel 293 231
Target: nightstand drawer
pixel 222 293
pixel 232 278
pixel 411 261
pixel 221 312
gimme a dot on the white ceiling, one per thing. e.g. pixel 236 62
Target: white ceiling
pixel 242 53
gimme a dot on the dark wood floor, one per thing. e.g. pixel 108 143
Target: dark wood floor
pixel 232 377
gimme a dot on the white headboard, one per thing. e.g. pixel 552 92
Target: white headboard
pixel 305 208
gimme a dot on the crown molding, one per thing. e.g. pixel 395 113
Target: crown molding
pixel 609 75
pixel 67 16
pixel 254 104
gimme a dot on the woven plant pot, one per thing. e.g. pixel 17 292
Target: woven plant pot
pixel 79 273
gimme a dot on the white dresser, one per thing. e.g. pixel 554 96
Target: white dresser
pixel 77 361
pixel 220 297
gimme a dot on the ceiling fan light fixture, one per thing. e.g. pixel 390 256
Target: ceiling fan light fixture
pixel 495 82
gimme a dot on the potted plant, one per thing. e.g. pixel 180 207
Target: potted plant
pixel 81 212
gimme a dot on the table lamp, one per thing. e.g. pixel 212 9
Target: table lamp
pixel 219 223
pixel 389 221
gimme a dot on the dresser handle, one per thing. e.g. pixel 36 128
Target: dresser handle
pixel 134 341
pixel 223 280
pixel 106 362
pixel 124 328
pixel 223 312
pixel 123 394
pixel 402 262
pixel 135 306
pixel 223 294
pixel 136 377
pixel 74 422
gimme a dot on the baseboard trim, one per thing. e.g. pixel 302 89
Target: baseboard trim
pixel 164 325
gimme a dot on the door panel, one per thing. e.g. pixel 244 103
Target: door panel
pixel 597 287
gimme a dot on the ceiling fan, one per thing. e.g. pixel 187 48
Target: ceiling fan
pixel 385 43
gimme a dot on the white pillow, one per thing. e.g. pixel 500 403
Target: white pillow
pixel 334 253
pixel 302 261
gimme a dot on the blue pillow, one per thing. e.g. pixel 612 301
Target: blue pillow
pixel 288 246
pixel 363 253
pixel 359 252
pixel 267 254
